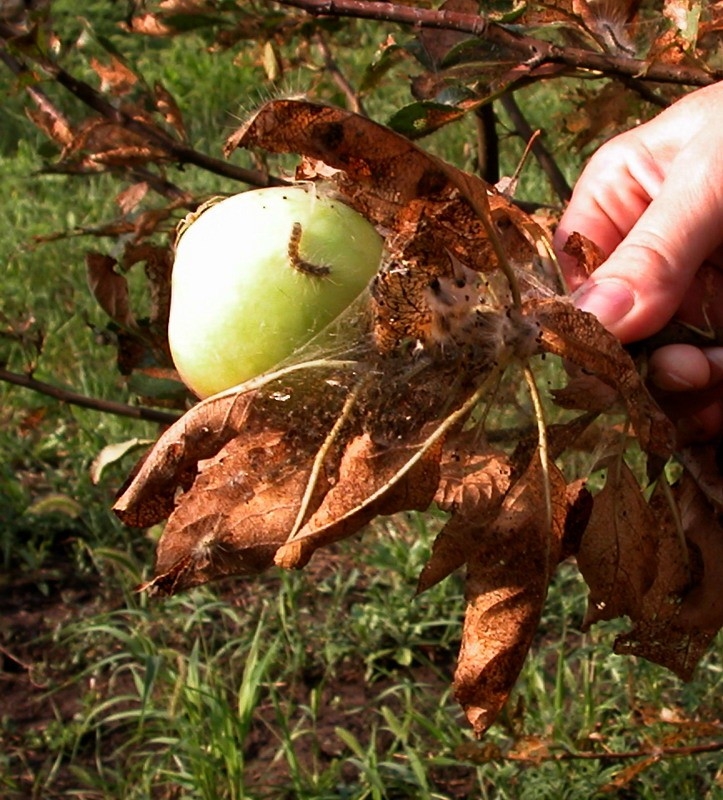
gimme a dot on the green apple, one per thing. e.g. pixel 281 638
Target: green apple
pixel 259 274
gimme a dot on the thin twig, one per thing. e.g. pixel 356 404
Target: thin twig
pixel 541 153
pixel 534 52
pixel 572 755
pixel 645 92
pixel 94 403
pixel 488 149
pixel 352 98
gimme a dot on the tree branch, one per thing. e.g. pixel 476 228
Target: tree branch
pixel 76 399
pixel 352 98
pixel 176 150
pixel 535 52
pixel 675 751
pixel 488 145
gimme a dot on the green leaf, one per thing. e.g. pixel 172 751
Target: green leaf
pixel 384 60
pixel 55 503
pixel 419 119
pixel 112 453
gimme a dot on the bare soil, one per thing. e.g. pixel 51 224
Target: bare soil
pixel 40 695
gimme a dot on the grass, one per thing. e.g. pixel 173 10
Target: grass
pixel 330 683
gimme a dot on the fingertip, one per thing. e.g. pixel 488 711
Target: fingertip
pixel 679 368
pixel 610 300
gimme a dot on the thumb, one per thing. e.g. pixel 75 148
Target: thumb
pixel 643 282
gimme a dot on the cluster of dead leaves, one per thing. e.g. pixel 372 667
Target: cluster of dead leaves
pixel 387 418
pixel 143 353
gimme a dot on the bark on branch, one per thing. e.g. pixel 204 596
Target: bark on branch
pixel 177 151
pixel 76 399
pixel 533 52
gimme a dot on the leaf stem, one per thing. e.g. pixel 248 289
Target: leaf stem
pixel 675 512
pixel 542 441
pixel 323 451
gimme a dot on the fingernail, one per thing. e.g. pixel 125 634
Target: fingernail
pixel 670 381
pixel 608 300
pixel 715 356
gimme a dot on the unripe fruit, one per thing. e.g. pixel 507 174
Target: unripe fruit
pixel 259 274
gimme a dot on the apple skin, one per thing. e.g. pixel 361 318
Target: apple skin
pixel 239 306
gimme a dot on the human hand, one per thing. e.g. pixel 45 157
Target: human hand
pixel 652 200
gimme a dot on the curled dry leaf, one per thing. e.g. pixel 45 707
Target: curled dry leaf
pixel 109 288
pixel 617 552
pixel 507 580
pixel 579 337
pixel 172 464
pixel 472 487
pixel 586 254
pixel 682 610
pixel 99 143
pixel 116 77
pixel 402 188
pixel 168 107
pixel 129 199
pixel 54 125
pixel 231 522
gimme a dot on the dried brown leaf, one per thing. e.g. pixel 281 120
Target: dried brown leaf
pixel 53 125
pixel 704 464
pixel 158 261
pixel 682 610
pixel 626 776
pixel 172 464
pixel 617 552
pixel 396 184
pixel 588 256
pixel 321 477
pixel 702 606
pixel 580 338
pixel 149 25
pixel 507 581
pixel 109 288
pixel 588 392
pixel 560 437
pixel 473 486
pixel 368 484
pixel 100 142
pixel 235 516
pixel 116 77
pixel 579 503
pixel 167 105
pixel 472 474
pixel 131 196
pixel 388 171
